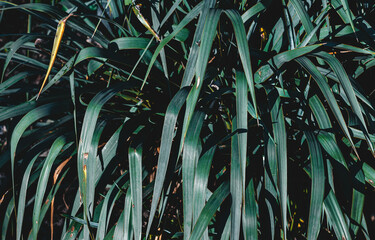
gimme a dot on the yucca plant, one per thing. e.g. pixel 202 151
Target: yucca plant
pixel 187 119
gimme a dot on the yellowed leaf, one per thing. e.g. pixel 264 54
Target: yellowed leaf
pixel 137 11
pixel 56 44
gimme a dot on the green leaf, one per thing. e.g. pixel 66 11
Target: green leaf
pixel 130 43
pixel 243 50
pixel 256 9
pixel 274 64
pixel 342 8
pixel 348 88
pixel 135 171
pixel 304 17
pixel 24 60
pixel 319 112
pixel 201 181
pixel 110 199
pixel 13 111
pixel 187 19
pixel 209 210
pixel 15 79
pixel 25 122
pixel 242 122
pixel 236 184
pixel 125 231
pixel 42 183
pixel 317 186
pixel 369 174
pixel 22 197
pixel 191 64
pixel 124 225
pixel 326 90
pixel 362 67
pixel 165 148
pixel 67 67
pixel 334 212
pixel 226 230
pixel 72 231
pixel 249 217
pixel 329 144
pixel 7 216
pixel 13 49
pixel 279 134
pixel 86 156
pixel 208 36
pixel 189 162
pixel 270 173
pixel 358 198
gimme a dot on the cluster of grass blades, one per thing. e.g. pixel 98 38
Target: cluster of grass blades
pixel 185 119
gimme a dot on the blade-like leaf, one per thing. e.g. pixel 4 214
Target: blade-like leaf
pixel 105 214
pixel 274 64
pixel 135 171
pixel 195 48
pixel 42 183
pixel 14 79
pixel 243 50
pixel 249 217
pixel 209 210
pixel 236 184
pixel 13 48
pixel 334 212
pixel 324 87
pixel 22 197
pixel 189 163
pixel 348 88
pixel 165 148
pixel 188 18
pixel 208 36
pixel 279 133
pixel 26 121
pixel 86 164
pixel 358 198
pixel 56 44
pixel 317 186
pixel 200 183
pixel 6 220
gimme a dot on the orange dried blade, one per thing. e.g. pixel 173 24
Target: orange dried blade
pixel 52 210
pixel 59 169
pixel 2 198
pixel 55 48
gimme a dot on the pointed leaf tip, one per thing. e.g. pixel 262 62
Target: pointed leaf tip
pixel 56 44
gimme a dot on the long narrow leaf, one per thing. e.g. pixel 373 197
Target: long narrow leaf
pixel 209 210
pixel 22 198
pixel 317 186
pixel 189 162
pixel 135 171
pixel 42 182
pixel 56 44
pixel 323 85
pixel 165 148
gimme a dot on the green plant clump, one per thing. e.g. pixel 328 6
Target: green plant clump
pixel 187 119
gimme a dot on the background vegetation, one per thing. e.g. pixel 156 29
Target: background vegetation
pixel 249 119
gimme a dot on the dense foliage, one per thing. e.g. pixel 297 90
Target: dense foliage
pixel 245 120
